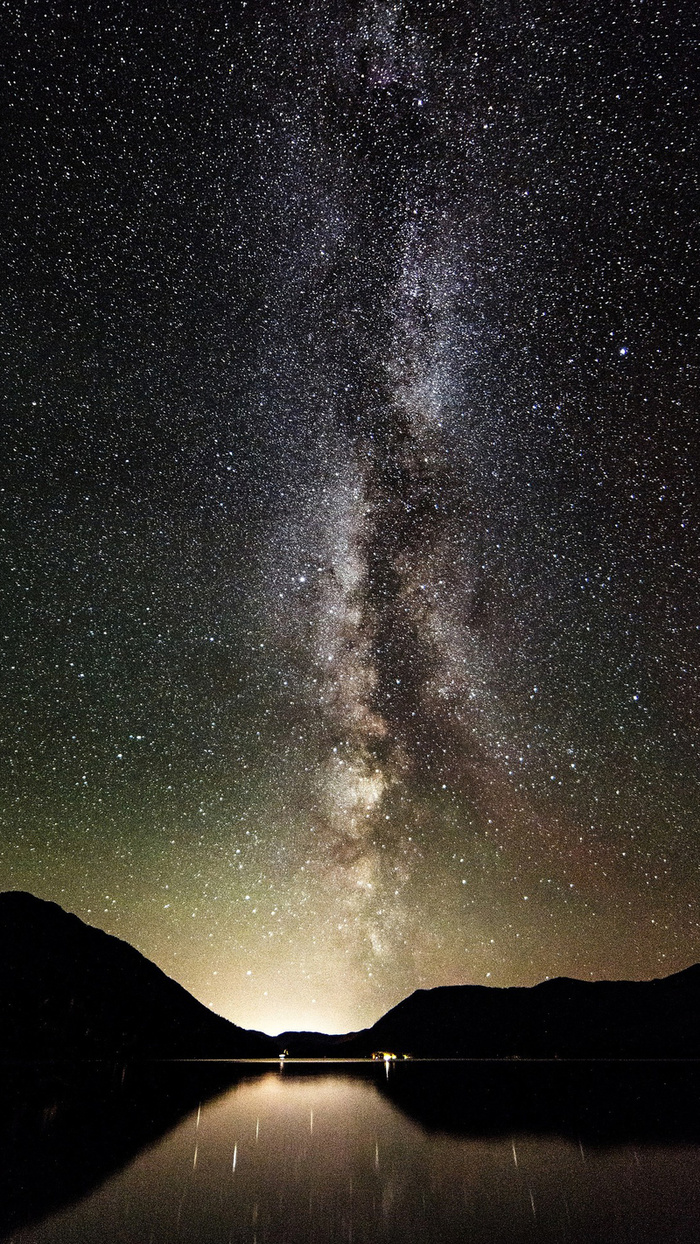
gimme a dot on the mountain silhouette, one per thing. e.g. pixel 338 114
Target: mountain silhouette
pixel 559 1018
pixel 68 990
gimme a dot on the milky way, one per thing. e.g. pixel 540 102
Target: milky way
pixel 349 537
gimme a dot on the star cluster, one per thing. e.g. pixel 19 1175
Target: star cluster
pixel 349 534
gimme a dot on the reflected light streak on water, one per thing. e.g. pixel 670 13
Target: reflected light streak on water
pixel 306 1159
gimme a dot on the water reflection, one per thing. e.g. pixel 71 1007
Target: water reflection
pixel 64 1128
pixel 600 1102
pixel 313 1155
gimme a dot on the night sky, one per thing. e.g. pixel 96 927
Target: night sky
pixel 349 500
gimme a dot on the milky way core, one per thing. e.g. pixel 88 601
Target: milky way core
pixel 350 507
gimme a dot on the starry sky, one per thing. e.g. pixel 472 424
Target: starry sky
pixel 349 501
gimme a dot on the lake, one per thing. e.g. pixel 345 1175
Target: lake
pixel 217 1153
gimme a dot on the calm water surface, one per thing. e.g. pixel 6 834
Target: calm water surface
pixel 281 1159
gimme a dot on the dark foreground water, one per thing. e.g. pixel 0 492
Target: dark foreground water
pixel 213 1153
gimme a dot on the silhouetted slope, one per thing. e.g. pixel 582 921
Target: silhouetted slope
pixel 70 990
pixel 557 1019
pixel 315 1044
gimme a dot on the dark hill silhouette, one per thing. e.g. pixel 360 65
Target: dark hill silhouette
pixel 68 990
pixel 559 1018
